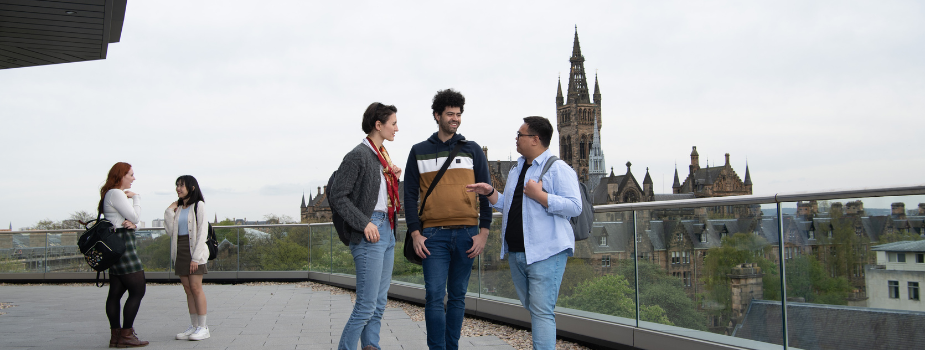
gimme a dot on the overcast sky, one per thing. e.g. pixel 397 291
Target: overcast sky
pixel 261 100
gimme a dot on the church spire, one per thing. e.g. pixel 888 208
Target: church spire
pixel 578 82
pixel 559 99
pixel 597 91
pixel 748 176
pixel 303 200
pixel 597 169
pixel 677 182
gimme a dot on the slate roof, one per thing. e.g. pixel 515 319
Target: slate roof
pixel 656 233
pixel 617 236
pixel 672 196
pixel 600 194
pixel 819 326
pixel 902 246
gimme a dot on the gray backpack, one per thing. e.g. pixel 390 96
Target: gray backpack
pixel 581 224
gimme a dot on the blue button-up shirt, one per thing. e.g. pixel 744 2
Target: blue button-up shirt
pixel 547 231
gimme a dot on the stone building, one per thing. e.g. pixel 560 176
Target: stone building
pixel 577 116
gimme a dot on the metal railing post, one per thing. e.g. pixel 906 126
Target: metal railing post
pixel 783 275
pixel 636 265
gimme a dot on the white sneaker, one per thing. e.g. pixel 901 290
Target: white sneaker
pixel 200 334
pixel 185 335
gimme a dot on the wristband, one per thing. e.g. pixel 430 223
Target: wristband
pixel 492 192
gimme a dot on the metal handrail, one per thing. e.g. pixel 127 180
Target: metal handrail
pixel 669 204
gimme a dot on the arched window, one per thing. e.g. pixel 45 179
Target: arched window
pixel 582 152
pixel 568 148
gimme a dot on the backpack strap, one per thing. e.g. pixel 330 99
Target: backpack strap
pixel 549 162
pixel 446 164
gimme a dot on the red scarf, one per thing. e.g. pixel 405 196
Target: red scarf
pixel 391 181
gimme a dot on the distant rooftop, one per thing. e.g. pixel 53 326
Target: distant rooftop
pixel 902 246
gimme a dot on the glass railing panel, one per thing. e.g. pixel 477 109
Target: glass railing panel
pixel 599 278
pixel 854 261
pixel 274 248
pixel 494 275
pixel 322 239
pixel 341 258
pixel 403 270
pixel 153 248
pixel 226 257
pixel 63 255
pixel 702 270
pixel 22 252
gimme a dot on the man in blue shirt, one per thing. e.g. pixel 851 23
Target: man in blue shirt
pixel 537 236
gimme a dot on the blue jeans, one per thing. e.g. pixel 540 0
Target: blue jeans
pixel 446 272
pixel 537 287
pixel 374 262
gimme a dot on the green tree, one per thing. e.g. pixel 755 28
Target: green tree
pixel 738 249
pixel 847 247
pixel 660 289
pixel 807 279
pixel 612 295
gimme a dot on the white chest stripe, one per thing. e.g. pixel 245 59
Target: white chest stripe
pixel 434 165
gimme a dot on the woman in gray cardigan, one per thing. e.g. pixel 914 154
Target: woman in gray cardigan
pixel 365 193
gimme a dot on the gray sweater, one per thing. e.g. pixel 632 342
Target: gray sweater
pixel 355 190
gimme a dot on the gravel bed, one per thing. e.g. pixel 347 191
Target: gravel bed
pixel 518 338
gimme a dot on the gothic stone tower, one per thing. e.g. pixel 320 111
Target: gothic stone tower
pixel 576 115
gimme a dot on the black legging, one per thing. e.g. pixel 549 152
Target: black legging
pixel 134 283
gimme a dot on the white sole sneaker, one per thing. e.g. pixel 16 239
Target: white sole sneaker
pixel 185 335
pixel 200 334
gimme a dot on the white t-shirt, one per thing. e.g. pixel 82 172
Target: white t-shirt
pixel 382 204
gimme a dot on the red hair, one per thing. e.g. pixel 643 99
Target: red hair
pixel 113 180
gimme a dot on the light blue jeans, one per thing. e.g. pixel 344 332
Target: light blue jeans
pixel 538 289
pixel 446 273
pixel 374 262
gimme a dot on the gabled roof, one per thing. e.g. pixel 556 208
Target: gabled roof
pixel 656 234
pixel 820 326
pixel 617 236
pixel 901 246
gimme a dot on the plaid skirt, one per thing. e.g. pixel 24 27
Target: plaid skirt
pixel 129 262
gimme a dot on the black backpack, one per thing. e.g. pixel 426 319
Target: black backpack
pixel 581 224
pixel 335 217
pixel 101 246
pixel 211 241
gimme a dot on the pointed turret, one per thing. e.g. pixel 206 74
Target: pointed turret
pixel 578 82
pixel 676 186
pixel 559 98
pixel 748 176
pixel 303 200
pixel 597 91
pixel 216 218
pixel 647 185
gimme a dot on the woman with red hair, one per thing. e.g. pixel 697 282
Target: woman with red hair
pixel 123 208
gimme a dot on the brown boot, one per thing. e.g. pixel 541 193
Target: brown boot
pixel 128 339
pixel 370 347
pixel 114 337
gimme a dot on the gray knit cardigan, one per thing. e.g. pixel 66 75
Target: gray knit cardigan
pixel 355 190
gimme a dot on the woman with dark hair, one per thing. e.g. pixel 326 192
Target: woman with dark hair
pixel 189 230
pixel 128 273
pixel 365 193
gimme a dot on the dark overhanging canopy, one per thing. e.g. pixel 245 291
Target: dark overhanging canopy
pixel 40 32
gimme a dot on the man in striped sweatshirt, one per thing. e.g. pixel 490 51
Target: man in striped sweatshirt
pixel 453 228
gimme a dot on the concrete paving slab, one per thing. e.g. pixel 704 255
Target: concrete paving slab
pixel 240 317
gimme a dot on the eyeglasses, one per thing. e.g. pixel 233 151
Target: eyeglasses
pixel 519 135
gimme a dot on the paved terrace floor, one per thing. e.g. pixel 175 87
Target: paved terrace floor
pixel 282 316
